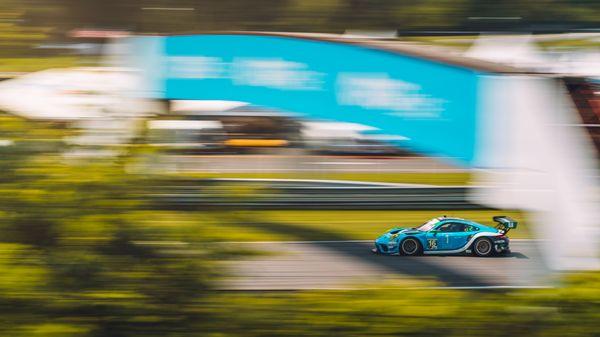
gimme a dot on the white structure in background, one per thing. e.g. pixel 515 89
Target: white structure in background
pixel 332 130
pixel 514 50
pixel 370 34
pixel 584 63
pixel 186 134
pixel 522 51
pixel 349 138
pixel 64 94
pixel 539 160
pixel 95 100
pixel 186 106
pixel 537 157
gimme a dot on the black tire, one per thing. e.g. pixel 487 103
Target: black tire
pixel 483 247
pixel 410 247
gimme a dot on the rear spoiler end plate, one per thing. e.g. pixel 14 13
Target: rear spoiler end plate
pixel 505 223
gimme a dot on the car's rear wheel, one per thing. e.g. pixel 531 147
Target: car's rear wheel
pixel 483 247
pixel 410 247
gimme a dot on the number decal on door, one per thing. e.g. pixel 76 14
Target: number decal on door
pixel 432 243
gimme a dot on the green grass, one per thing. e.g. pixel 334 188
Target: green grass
pixel 441 179
pixel 31 64
pixel 571 310
pixel 292 225
pixel 458 42
pixel 464 42
pixel 18 51
pixel 572 43
pixel 364 225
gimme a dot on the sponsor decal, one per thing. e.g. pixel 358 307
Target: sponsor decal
pixel 274 73
pixel 380 91
pixel 432 244
pixel 197 67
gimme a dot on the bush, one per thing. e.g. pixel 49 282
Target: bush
pixel 571 310
pixel 75 259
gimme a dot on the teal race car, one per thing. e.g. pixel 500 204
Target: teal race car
pixel 448 235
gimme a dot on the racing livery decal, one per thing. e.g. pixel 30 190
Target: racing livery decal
pixel 448 235
pixel 432 244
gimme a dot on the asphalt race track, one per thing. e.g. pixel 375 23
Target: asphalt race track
pixel 350 264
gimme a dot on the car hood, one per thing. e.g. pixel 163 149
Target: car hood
pixel 398 233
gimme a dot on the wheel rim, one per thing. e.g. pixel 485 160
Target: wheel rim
pixel 409 246
pixel 483 247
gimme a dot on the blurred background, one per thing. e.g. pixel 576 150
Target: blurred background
pixel 221 168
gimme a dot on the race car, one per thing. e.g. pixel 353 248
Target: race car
pixel 447 235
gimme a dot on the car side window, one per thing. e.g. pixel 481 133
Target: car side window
pixel 470 228
pixel 451 227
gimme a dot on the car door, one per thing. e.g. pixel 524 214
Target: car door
pixel 449 235
pixel 433 240
pixel 469 231
pixel 438 238
pixel 459 236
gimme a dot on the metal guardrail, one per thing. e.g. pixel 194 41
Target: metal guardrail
pixel 199 196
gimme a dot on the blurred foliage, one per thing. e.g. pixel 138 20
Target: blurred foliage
pixel 31 64
pixel 82 255
pixel 572 310
pixel 296 15
pixel 36 34
pixel 74 259
pixel 21 39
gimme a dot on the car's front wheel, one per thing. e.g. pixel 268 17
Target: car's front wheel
pixel 410 247
pixel 483 247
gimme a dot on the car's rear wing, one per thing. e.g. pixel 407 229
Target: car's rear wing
pixel 505 223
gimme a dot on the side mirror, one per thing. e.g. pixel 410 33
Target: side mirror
pixel 434 232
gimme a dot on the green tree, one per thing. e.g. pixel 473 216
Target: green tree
pixel 75 257
pixel 295 15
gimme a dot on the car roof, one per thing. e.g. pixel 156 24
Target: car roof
pixel 444 218
pixel 482 226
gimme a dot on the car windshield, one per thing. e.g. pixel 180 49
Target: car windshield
pixel 428 225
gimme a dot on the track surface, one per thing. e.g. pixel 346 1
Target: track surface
pixel 348 264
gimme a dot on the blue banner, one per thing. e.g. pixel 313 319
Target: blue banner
pixel 424 105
